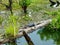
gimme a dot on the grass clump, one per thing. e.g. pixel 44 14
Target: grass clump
pixel 12 26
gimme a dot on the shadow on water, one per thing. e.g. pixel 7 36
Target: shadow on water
pixel 50 34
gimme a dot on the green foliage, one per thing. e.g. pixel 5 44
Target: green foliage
pixel 26 18
pixel 12 26
pixel 55 24
pixel 13 19
pixel 10 31
pixel 52 30
pixel 50 34
pixel 53 13
pixel 24 2
pixel 16 6
pixel 1 19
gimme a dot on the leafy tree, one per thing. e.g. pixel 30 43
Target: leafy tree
pixel 24 4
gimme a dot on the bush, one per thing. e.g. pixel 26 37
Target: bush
pixel 55 24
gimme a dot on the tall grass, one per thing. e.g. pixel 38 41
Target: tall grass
pixel 12 26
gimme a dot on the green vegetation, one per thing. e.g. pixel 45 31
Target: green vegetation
pixel 24 4
pixel 52 30
pixel 55 24
pixel 12 26
pixel 40 11
pixel 27 18
pixel 1 20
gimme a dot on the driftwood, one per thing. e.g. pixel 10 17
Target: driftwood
pixel 28 30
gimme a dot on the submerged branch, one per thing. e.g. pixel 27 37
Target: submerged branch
pixel 29 41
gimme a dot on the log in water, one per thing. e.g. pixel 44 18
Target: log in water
pixel 29 29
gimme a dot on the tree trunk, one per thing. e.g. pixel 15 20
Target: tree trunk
pixel 24 9
pixel 10 6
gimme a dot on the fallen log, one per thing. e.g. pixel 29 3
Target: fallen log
pixel 28 30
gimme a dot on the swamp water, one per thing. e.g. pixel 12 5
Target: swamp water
pixel 41 37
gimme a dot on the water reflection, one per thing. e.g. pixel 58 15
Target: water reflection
pixel 35 39
pixel 50 34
